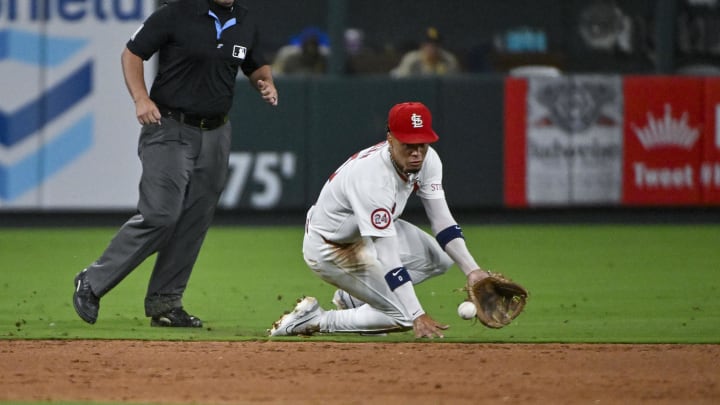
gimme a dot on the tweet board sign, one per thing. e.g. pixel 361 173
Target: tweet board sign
pixel 664 133
pixel 68 137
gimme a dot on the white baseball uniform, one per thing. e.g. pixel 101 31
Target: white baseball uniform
pixel 361 202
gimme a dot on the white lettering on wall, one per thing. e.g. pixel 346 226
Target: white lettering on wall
pixel 663 177
pixel 710 174
pixel 261 174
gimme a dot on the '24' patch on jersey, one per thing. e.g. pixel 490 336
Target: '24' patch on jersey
pixel 381 218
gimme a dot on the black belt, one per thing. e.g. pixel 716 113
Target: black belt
pixel 194 120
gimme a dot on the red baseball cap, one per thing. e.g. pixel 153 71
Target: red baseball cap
pixel 411 122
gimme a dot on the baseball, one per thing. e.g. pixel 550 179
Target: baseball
pixel 466 310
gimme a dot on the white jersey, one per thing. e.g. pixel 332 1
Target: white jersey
pixel 366 195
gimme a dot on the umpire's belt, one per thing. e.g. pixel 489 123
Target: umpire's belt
pixel 194 120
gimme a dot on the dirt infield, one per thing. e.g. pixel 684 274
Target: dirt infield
pixel 312 372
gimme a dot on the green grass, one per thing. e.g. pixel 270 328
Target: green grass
pixel 598 283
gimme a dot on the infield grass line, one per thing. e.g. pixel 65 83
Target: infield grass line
pixel 587 283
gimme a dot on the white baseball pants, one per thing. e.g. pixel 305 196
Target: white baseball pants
pixel 355 269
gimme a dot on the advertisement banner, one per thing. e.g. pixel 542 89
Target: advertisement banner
pixel 663 127
pixel 569 150
pixel 710 171
pixel 68 134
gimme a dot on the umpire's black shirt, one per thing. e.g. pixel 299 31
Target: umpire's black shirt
pixel 199 55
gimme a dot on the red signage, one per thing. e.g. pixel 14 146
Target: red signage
pixel 515 149
pixel 663 140
pixel 710 169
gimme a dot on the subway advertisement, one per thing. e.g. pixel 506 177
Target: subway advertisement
pixel 612 140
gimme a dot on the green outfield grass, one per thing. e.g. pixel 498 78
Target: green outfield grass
pixel 588 283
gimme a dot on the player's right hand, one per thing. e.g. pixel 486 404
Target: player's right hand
pixel 426 327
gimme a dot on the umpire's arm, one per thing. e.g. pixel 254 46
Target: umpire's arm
pixel 134 72
pixel 261 78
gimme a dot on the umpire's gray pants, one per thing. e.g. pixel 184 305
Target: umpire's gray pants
pixel 183 174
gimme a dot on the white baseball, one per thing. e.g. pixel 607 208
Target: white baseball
pixel 466 310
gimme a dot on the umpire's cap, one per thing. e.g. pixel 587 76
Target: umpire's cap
pixel 411 122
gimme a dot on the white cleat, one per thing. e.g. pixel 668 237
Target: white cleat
pixel 343 300
pixel 299 321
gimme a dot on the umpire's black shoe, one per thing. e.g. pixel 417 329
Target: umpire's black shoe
pixel 176 317
pixel 86 303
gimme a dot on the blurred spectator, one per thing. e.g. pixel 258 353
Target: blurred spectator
pixel 309 61
pixel 363 59
pixel 430 59
pixel 354 41
pixel 314 38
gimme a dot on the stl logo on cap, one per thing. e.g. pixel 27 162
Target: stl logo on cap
pixel 411 123
pixel 417 121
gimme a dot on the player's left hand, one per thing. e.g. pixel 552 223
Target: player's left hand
pixel 498 299
pixel 268 92
pixel 426 327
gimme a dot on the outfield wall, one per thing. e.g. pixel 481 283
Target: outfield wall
pixel 322 121
pixel 578 140
pixel 68 136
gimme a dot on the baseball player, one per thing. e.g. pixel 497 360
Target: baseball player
pixel 355 240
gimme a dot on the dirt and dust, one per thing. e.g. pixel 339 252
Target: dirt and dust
pixel 315 372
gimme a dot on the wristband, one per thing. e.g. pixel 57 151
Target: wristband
pixel 397 277
pixel 448 234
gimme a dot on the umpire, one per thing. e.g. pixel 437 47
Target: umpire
pixel 184 147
